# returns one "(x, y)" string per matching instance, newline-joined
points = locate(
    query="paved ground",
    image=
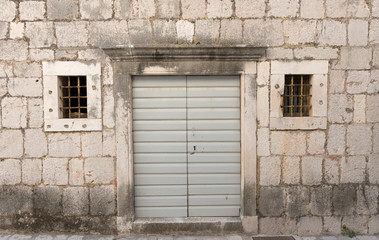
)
(108, 237)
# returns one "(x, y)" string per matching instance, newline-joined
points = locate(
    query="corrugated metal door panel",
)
(160, 158)
(214, 200)
(215, 157)
(162, 103)
(195, 147)
(214, 211)
(152, 125)
(160, 136)
(175, 190)
(222, 92)
(161, 201)
(214, 135)
(213, 102)
(231, 189)
(159, 114)
(213, 113)
(212, 81)
(159, 147)
(160, 179)
(214, 167)
(161, 211)
(214, 124)
(160, 168)
(159, 92)
(217, 179)
(158, 81)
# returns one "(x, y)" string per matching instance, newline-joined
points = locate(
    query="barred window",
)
(73, 96)
(297, 96)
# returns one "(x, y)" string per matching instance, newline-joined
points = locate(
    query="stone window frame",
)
(318, 69)
(137, 61)
(51, 73)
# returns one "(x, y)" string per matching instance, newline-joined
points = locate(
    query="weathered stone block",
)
(6, 70)
(62, 9)
(3, 30)
(16, 30)
(102, 200)
(311, 170)
(32, 10)
(297, 201)
(332, 33)
(122, 9)
(8, 10)
(55, 171)
(291, 170)
(353, 169)
(72, 34)
(279, 53)
(358, 224)
(331, 168)
(279, 8)
(372, 108)
(354, 58)
(64, 145)
(367, 200)
(48, 200)
(13, 50)
(10, 172)
(23, 69)
(316, 142)
(75, 201)
(271, 201)
(41, 54)
(110, 33)
(35, 116)
(185, 31)
(343, 8)
(164, 31)
(25, 87)
(312, 9)
(299, 32)
(14, 150)
(263, 108)
(140, 32)
(321, 201)
(376, 138)
(316, 53)
(286, 143)
(76, 171)
(35, 143)
(373, 169)
(336, 139)
(108, 107)
(31, 171)
(374, 28)
(219, 8)
(193, 9)
(96, 9)
(142, 9)
(250, 8)
(359, 109)
(40, 34)
(263, 142)
(66, 54)
(99, 170)
(332, 226)
(14, 112)
(359, 139)
(269, 171)
(168, 8)
(358, 32)
(277, 225)
(15, 200)
(109, 143)
(3, 88)
(207, 31)
(310, 226)
(263, 33)
(358, 81)
(340, 108)
(373, 86)
(343, 199)
(92, 144)
(373, 225)
(231, 31)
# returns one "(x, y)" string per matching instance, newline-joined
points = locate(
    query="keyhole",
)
(194, 148)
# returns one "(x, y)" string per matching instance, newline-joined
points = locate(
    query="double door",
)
(186, 135)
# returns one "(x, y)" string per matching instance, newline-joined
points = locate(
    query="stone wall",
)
(310, 182)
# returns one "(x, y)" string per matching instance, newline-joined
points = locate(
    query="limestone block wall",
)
(309, 182)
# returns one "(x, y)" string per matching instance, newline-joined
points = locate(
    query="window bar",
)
(78, 96)
(301, 95)
(69, 96)
(292, 97)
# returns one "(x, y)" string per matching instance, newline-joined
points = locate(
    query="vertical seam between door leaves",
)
(187, 144)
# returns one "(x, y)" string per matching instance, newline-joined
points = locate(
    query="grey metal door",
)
(186, 132)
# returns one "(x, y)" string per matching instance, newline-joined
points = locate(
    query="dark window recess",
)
(297, 96)
(73, 96)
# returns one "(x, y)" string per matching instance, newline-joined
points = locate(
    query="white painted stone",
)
(279, 53)
(31, 171)
(41, 54)
(336, 139)
(332, 33)
(99, 170)
(359, 109)
(311, 170)
(316, 142)
(41, 34)
(291, 170)
(269, 171)
(299, 32)
(10, 172)
(331, 169)
(55, 171)
(219, 8)
(64, 144)
(96, 9)
(263, 33)
(354, 58)
(32, 10)
(35, 143)
(109, 143)
(35, 112)
(107, 74)
(8, 10)
(168, 8)
(336, 81)
(359, 139)
(28, 87)
(263, 73)
(250, 8)
(286, 143)
(316, 53)
(92, 144)
(193, 9)
(372, 108)
(207, 31)
(263, 143)
(353, 169)
(16, 30)
(231, 31)
(14, 150)
(340, 108)
(14, 112)
(185, 31)
(72, 34)
(312, 9)
(263, 106)
(13, 50)
(357, 81)
(280, 8)
(76, 171)
(373, 169)
(358, 32)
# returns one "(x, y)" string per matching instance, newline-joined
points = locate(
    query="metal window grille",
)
(73, 96)
(297, 96)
